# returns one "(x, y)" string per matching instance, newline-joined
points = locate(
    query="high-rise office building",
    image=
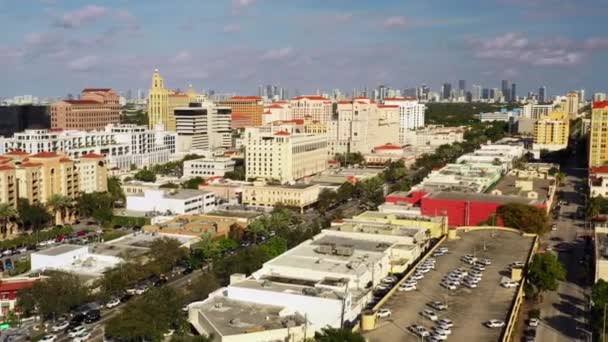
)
(581, 95)
(158, 102)
(542, 94)
(447, 91)
(462, 87)
(485, 93)
(572, 104)
(246, 110)
(598, 141)
(96, 108)
(476, 93)
(513, 94)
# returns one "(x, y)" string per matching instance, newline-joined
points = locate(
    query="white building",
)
(496, 154)
(328, 279)
(502, 116)
(122, 145)
(73, 259)
(208, 167)
(411, 114)
(362, 125)
(276, 111)
(434, 136)
(178, 202)
(283, 156)
(598, 181)
(203, 126)
(318, 108)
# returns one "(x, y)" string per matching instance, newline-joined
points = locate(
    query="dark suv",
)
(92, 316)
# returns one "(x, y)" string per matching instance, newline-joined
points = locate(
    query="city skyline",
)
(56, 47)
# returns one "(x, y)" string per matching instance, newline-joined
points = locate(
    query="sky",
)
(56, 47)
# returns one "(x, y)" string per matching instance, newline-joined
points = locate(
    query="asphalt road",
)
(564, 314)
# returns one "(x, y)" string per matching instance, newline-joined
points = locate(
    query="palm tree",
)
(7, 212)
(258, 227)
(59, 204)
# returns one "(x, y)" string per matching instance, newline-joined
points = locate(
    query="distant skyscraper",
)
(462, 87)
(382, 91)
(485, 93)
(476, 93)
(581, 95)
(410, 92)
(542, 94)
(513, 94)
(129, 94)
(447, 91)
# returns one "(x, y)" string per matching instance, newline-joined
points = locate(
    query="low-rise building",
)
(601, 250)
(434, 136)
(208, 167)
(226, 190)
(340, 176)
(73, 259)
(510, 116)
(172, 201)
(598, 181)
(301, 196)
(217, 223)
(381, 155)
(471, 177)
(9, 288)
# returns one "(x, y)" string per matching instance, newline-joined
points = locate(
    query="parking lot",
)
(468, 308)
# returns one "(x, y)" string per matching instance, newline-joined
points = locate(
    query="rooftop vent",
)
(345, 250)
(326, 248)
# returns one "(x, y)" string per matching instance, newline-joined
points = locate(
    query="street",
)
(564, 312)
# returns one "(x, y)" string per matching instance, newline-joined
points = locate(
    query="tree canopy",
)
(33, 216)
(545, 271)
(145, 175)
(524, 217)
(338, 335)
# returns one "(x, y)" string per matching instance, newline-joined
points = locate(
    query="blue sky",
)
(55, 47)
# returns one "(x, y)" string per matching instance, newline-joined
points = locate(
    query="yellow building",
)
(92, 173)
(8, 184)
(158, 102)
(314, 126)
(436, 226)
(552, 131)
(299, 196)
(598, 142)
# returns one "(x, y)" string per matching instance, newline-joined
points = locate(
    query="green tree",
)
(33, 216)
(97, 205)
(169, 186)
(60, 205)
(145, 175)
(7, 213)
(524, 217)
(148, 317)
(258, 227)
(345, 191)
(115, 189)
(545, 271)
(123, 276)
(202, 286)
(193, 183)
(599, 300)
(338, 335)
(274, 247)
(165, 253)
(326, 199)
(53, 296)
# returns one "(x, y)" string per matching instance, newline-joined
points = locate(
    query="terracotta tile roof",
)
(251, 98)
(387, 106)
(45, 155)
(400, 99)
(6, 167)
(387, 147)
(284, 133)
(599, 169)
(65, 160)
(267, 113)
(94, 90)
(276, 106)
(310, 97)
(6, 286)
(55, 129)
(93, 156)
(600, 104)
(16, 153)
(77, 102)
(345, 102)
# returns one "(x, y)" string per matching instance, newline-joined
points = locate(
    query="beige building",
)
(318, 108)
(283, 156)
(598, 139)
(96, 108)
(434, 136)
(247, 111)
(38, 177)
(361, 125)
(572, 104)
(300, 196)
(552, 132)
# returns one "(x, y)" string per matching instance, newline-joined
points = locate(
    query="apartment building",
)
(203, 126)
(96, 108)
(208, 167)
(572, 104)
(318, 108)
(92, 173)
(552, 131)
(532, 112)
(122, 145)
(361, 125)
(247, 111)
(277, 111)
(598, 137)
(411, 114)
(283, 156)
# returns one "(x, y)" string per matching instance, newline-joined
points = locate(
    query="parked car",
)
(384, 313)
(430, 314)
(509, 284)
(76, 331)
(406, 288)
(445, 322)
(60, 326)
(419, 330)
(533, 322)
(114, 302)
(437, 305)
(92, 316)
(48, 338)
(84, 336)
(495, 323)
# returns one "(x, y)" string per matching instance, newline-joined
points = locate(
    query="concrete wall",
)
(42, 261)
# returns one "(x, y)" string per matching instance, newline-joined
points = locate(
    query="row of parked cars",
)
(77, 327)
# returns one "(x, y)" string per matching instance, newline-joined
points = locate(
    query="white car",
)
(486, 262)
(533, 322)
(470, 285)
(169, 332)
(509, 284)
(517, 264)
(423, 269)
(406, 288)
(445, 322)
(439, 306)
(85, 336)
(417, 276)
(479, 267)
(472, 279)
(441, 337)
(449, 286)
(113, 303)
(419, 330)
(76, 331)
(383, 313)
(48, 338)
(442, 330)
(495, 323)
(60, 326)
(430, 314)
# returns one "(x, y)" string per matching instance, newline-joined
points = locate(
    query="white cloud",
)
(278, 54)
(83, 64)
(232, 28)
(77, 18)
(394, 22)
(182, 57)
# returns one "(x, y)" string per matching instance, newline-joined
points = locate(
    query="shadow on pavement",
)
(561, 324)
